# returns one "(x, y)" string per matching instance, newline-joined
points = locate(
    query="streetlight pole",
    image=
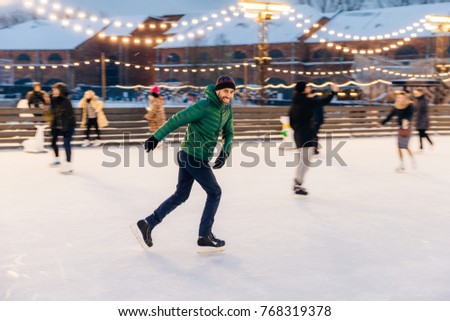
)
(263, 59)
(103, 76)
(245, 83)
(263, 12)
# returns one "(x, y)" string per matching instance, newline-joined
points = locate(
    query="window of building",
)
(23, 58)
(112, 72)
(406, 51)
(23, 81)
(322, 54)
(54, 57)
(173, 57)
(239, 55)
(52, 81)
(239, 81)
(275, 53)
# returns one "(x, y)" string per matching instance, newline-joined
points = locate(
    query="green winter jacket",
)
(207, 119)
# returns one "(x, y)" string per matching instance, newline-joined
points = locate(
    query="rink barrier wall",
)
(250, 123)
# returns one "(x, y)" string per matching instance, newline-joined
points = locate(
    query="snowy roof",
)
(46, 35)
(124, 30)
(239, 30)
(376, 22)
(52, 35)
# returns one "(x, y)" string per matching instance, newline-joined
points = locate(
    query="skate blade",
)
(210, 249)
(300, 197)
(137, 233)
(67, 173)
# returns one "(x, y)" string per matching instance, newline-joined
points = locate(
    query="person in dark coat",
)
(62, 124)
(301, 116)
(403, 110)
(37, 98)
(422, 119)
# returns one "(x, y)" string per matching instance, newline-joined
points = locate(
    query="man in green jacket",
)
(206, 120)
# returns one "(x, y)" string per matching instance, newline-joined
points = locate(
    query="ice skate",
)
(210, 244)
(400, 168)
(97, 143)
(55, 163)
(143, 232)
(86, 143)
(66, 169)
(299, 191)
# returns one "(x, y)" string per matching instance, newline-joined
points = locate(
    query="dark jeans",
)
(67, 139)
(192, 169)
(92, 122)
(423, 134)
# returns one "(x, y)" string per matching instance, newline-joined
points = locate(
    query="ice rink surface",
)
(364, 233)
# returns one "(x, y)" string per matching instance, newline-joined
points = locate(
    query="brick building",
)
(297, 43)
(293, 49)
(46, 51)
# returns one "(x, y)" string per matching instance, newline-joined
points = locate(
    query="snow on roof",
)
(52, 35)
(123, 29)
(239, 30)
(376, 22)
(46, 35)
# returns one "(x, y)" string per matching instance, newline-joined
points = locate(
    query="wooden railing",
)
(250, 123)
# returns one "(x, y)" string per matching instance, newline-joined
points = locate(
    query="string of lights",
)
(345, 36)
(222, 68)
(256, 87)
(65, 14)
(371, 51)
(55, 11)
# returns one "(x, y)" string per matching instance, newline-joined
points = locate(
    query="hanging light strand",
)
(204, 69)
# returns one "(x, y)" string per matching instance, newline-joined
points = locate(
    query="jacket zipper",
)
(220, 121)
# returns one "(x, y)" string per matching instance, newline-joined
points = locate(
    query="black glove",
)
(151, 143)
(220, 160)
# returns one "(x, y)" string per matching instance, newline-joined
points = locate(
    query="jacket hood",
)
(210, 93)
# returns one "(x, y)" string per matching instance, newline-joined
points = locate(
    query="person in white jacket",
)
(92, 116)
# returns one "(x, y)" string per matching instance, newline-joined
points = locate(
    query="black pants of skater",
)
(192, 169)
(423, 134)
(92, 122)
(67, 136)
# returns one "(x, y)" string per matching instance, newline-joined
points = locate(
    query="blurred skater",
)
(62, 124)
(301, 117)
(92, 116)
(422, 118)
(156, 115)
(403, 110)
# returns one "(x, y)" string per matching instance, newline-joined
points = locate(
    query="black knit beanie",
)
(225, 81)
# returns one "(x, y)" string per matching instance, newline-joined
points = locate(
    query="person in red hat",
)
(156, 115)
(206, 120)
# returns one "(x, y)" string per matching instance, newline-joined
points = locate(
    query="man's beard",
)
(221, 98)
